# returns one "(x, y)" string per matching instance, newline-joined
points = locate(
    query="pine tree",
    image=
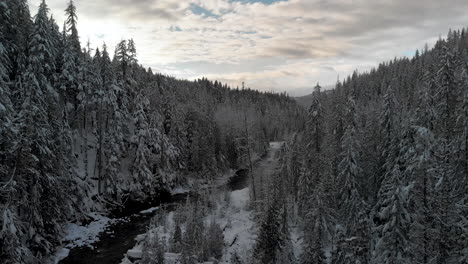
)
(154, 250)
(391, 221)
(132, 54)
(10, 248)
(142, 177)
(463, 211)
(7, 111)
(352, 208)
(176, 239)
(68, 82)
(107, 82)
(193, 235)
(319, 222)
(464, 138)
(388, 125)
(39, 172)
(214, 240)
(72, 66)
(113, 144)
(447, 99)
(350, 199)
(313, 160)
(121, 57)
(419, 163)
(17, 28)
(420, 167)
(71, 22)
(270, 238)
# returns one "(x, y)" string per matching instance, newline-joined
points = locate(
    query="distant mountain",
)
(306, 100)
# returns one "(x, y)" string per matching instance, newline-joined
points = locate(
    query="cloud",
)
(271, 44)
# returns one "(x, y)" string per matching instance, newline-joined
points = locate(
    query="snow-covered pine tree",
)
(318, 228)
(68, 82)
(121, 68)
(352, 207)
(7, 111)
(194, 232)
(463, 204)
(17, 33)
(419, 170)
(142, 181)
(214, 240)
(463, 118)
(154, 249)
(271, 238)
(176, 240)
(10, 248)
(71, 22)
(420, 164)
(114, 140)
(89, 81)
(106, 79)
(391, 221)
(42, 176)
(388, 128)
(132, 53)
(446, 98)
(294, 164)
(121, 58)
(114, 145)
(313, 163)
(72, 66)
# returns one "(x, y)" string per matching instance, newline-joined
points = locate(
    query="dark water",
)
(120, 237)
(239, 181)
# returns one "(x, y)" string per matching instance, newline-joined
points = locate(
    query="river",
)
(120, 237)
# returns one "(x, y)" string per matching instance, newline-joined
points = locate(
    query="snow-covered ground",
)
(240, 229)
(234, 215)
(86, 235)
(82, 235)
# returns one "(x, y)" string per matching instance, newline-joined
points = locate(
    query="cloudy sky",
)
(269, 44)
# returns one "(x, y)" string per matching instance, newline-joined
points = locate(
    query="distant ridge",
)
(306, 100)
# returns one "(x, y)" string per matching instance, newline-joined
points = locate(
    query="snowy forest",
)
(374, 171)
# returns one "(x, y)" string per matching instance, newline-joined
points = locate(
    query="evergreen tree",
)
(17, 28)
(352, 208)
(113, 144)
(176, 239)
(41, 181)
(270, 238)
(7, 111)
(392, 221)
(318, 231)
(142, 177)
(193, 235)
(214, 240)
(389, 143)
(71, 22)
(313, 159)
(154, 250)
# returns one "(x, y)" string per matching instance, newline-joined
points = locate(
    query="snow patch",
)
(59, 255)
(150, 210)
(79, 236)
(240, 198)
(276, 145)
(239, 227)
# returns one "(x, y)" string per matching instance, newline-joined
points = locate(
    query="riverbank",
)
(231, 210)
(108, 236)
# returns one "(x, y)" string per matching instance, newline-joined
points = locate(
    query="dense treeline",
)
(82, 131)
(380, 173)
